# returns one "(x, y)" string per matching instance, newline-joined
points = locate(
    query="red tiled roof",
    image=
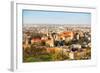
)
(36, 39)
(66, 34)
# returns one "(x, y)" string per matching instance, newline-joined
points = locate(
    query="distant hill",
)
(57, 25)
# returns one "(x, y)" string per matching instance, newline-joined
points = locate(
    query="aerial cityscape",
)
(54, 41)
(42, 42)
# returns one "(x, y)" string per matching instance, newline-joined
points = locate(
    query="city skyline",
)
(52, 17)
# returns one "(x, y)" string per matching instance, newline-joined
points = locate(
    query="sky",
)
(51, 17)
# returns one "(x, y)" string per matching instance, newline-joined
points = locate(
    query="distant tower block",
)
(71, 55)
(72, 35)
(26, 41)
(77, 36)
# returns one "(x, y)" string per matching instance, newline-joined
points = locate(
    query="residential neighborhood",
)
(56, 42)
